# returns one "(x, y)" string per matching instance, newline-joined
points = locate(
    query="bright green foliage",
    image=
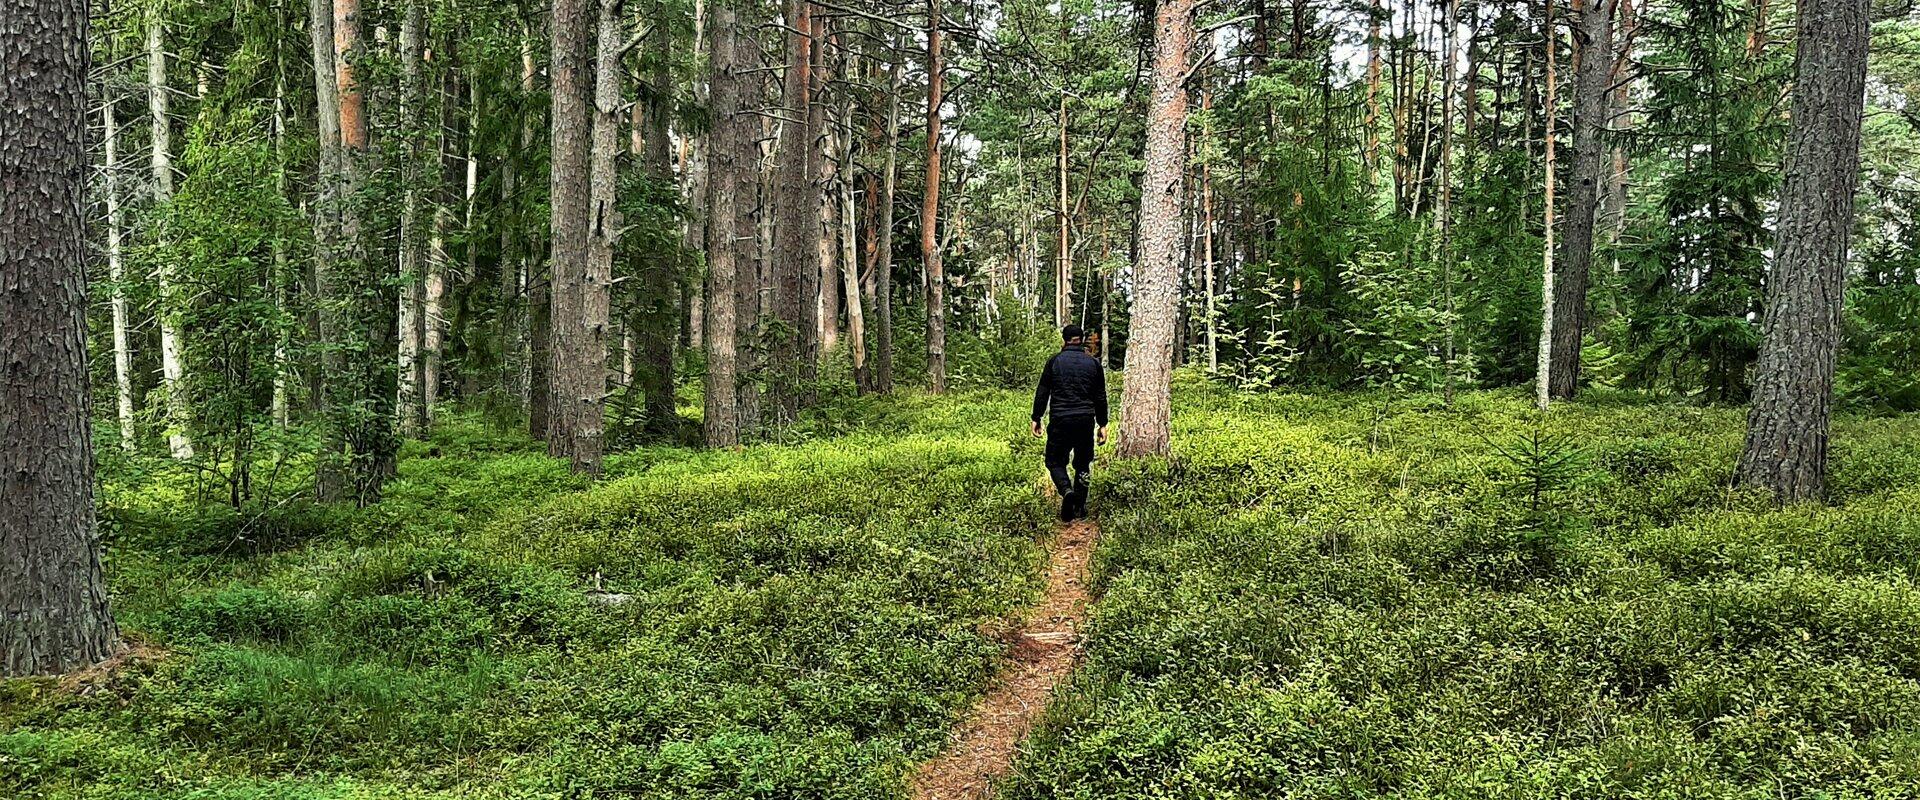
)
(1293, 611)
(796, 621)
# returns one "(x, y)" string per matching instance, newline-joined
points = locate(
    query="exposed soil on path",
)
(1043, 649)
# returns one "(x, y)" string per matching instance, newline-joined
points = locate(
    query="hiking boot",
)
(1067, 509)
(1077, 503)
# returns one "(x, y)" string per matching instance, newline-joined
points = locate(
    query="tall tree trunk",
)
(1593, 36)
(1444, 210)
(538, 279)
(355, 319)
(326, 204)
(1063, 265)
(883, 269)
(173, 367)
(849, 263)
(1206, 242)
(1787, 428)
(117, 273)
(576, 363)
(281, 282)
(1543, 380)
(603, 233)
(53, 601)
(1613, 198)
(411, 411)
(730, 159)
(827, 296)
(796, 253)
(1146, 399)
(1375, 17)
(659, 318)
(930, 212)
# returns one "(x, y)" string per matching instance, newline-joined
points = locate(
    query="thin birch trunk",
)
(173, 368)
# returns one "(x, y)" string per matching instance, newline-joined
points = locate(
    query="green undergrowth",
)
(1345, 597)
(797, 620)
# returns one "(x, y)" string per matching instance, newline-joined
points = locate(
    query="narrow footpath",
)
(1044, 649)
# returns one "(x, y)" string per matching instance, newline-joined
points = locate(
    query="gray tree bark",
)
(883, 266)
(412, 309)
(1146, 397)
(1593, 35)
(1787, 428)
(936, 275)
(53, 601)
(604, 232)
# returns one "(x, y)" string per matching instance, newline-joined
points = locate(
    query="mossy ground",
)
(799, 620)
(1319, 597)
(1339, 597)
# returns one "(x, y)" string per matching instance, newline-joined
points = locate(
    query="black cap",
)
(1072, 332)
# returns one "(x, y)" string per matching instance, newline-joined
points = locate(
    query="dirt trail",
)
(1044, 648)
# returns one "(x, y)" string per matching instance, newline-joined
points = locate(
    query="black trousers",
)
(1070, 440)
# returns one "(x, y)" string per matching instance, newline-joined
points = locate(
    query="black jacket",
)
(1074, 384)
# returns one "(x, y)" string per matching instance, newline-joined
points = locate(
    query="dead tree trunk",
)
(603, 233)
(883, 267)
(1787, 428)
(53, 601)
(930, 213)
(1146, 400)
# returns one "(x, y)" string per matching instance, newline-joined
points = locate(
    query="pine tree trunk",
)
(575, 364)
(326, 204)
(730, 159)
(936, 275)
(1787, 428)
(796, 253)
(53, 601)
(1593, 35)
(1146, 399)
(173, 368)
(1375, 16)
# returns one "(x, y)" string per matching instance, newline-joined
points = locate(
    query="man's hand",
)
(1100, 435)
(1037, 432)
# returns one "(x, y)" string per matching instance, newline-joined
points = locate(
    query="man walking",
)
(1073, 393)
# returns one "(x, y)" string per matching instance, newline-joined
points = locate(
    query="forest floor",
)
(1041, 650)
(1319, 596)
